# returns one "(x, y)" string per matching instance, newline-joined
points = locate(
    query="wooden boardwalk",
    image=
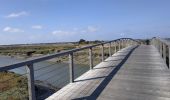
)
(134, 73)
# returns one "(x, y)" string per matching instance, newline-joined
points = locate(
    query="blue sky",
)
(37, 21)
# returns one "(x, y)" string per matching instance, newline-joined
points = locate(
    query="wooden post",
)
(91, 58)
(122, 43)
(71, 67)
(31, 86)
(115, 44)
(169, 55)
(160, 48)
(110, 54)
(127, 42)
(119, 44)
(131, 42)
(102, 52)
(164, 52)
(157, 43)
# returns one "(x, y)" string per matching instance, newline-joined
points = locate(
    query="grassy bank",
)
(13, 86)
(27, 51)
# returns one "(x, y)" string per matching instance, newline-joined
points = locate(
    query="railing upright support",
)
(164, 52)
(169, 55)
(119, 44)
(161, 49)
(124, 43)
(131, 42)
(115, 44)
(102, 46)
(91, 58)
(110, 53)
(31, 86)
(71, 67)
(127, 43)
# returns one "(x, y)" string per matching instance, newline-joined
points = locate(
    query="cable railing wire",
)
(42, 74)
(54, 75)
(45, 66)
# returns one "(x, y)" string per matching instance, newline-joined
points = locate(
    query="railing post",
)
(31, 86)
(169, 55)
(164, 52)
(131, 42)
(71, 67)
(119, 44)
(124, 43)
(161, 49)
(115, 44)
(110, 54)
(102, 46)
(157, 46)
(127, 42)
(90, 58)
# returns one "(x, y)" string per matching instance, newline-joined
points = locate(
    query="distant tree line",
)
(82, 41)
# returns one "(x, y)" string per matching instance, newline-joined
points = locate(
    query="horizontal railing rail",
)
(30, 68)
(46, 57)
(163, 47)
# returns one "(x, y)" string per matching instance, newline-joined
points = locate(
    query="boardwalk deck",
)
(130, 74)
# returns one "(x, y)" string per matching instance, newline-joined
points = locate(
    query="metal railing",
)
(29, 63)
(163, 47)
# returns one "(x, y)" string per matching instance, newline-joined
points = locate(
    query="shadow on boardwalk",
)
(106, 81)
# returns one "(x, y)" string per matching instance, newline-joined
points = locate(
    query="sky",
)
(46, 21)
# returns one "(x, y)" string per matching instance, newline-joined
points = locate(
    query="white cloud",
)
(37, 27)
(74, 31)
(15, 15)
(63, 33)
(12, 30)
(90, 29)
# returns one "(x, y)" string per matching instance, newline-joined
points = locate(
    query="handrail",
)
(162, 45)
(162, 40)
(50, 56)
(30, 68)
